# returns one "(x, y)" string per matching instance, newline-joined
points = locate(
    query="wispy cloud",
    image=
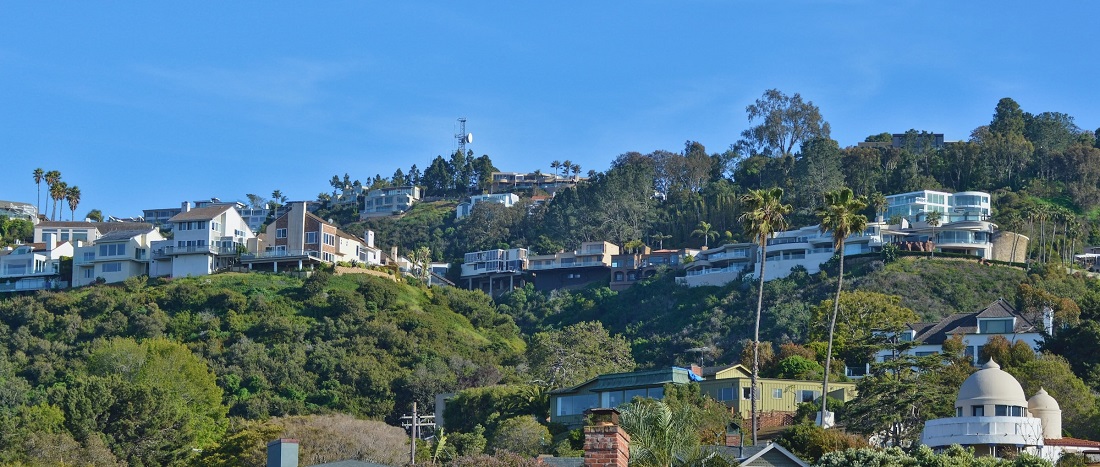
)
(286, 82)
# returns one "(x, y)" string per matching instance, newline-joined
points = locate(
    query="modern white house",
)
(115, 257)
(300, 240)
(51, 232)
(994, 417)
(464, 208)
(494, 271)
(35, 266)
(18, 210)
(204, 240)
(389, 201)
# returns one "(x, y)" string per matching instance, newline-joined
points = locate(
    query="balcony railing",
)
(575, 264)
(193, 249)
(281, 254)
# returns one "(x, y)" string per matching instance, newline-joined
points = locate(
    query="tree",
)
(664, 435)
(764, 214)
(878, 201)
(522, 435)
(72, 195)
(786, 121)
(1008, 119)
(257, 202)
(860, 314)
(841, 216)
(57, 193)
(52, 178)
(38, 176)
(933, 220)
(573, 354)
(704, 230)
(95, 215)
(923, 456)
(277, 200)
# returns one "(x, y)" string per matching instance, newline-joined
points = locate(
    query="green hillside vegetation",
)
(121, 369)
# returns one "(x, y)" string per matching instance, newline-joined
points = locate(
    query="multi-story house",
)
(626, 269)
(721, 265)
(464, 208)
(255, 217)
(516, 181)
(51, 232)
(114, 257)
(204, 240)
(975, 329)
(17, 210)
(573, 269)
(300, 240)
(389, 201)
(494, 271)
(35, 266)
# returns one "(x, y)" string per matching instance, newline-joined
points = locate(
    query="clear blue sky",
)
(146, 104)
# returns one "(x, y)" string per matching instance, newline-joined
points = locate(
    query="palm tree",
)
(95, 215)
(933, 219)
(565, 165)
(276, 198)
(52, 178)
(57, 193)
(878, 201)
(706, 232)
(39, 174)
(660, 238)
(1013, 222)
(663, 435)
(841, 216)
(72, 195)
(555, 165)
(763, 215)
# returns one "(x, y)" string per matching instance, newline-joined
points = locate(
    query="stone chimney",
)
(698, 370)
(606, 444)
(282, 452)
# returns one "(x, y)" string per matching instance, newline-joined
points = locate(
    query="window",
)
(88, 273)
(280, 249)
(280, 233)
(112, 267)
(807, 395)
(977, 411)
(958, 411)
(576, 405)
(746, 392)
(215, 226)
(112, 250)
(618, 276)
(311, 237)
(329, 239)
(327, 257)
(725, 394)
(777, 393)
(995, 326)
(1008, 410)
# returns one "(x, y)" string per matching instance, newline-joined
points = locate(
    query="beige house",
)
(114, 257)
(300, 240)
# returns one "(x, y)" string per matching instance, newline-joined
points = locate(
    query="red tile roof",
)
(1075, 442)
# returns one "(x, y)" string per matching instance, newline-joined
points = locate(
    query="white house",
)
(204, 240)
(34, 266)
(115, 256)
(464, 208)
(994, 417)
(389, 201)
(51, 232)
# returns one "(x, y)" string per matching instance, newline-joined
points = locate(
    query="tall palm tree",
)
(841, 216)
(706, 232)
(72, 195)
(565, 166)
(52, 178)
(39, 175)
(57, 193)
(660, 238)
(878, 201)
(933, 219)
(763, 215)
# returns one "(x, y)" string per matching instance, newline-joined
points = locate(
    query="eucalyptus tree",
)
(841, 216)
(763, 214)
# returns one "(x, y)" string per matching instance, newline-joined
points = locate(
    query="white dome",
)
(1042, 401)
(991, 386)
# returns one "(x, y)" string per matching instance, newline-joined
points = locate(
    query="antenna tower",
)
(463, 137)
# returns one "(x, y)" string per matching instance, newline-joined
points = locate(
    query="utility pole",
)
(414, 422)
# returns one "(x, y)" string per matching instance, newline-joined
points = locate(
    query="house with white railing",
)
(494, 271)
(115, 257)
(34, 266)
(301, 240)
(204, 240)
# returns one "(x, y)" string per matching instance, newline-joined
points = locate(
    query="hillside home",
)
(464, 208)
(300, 240)
(34, 266)
(255, 217)
(114, 257)
(573, 269)
(626, 269)
(994, 417)
(50, 232)
(975, 329)
(18, 210)
(731, 385)
(516, 181)
(494, 271)
(389, 201)
(204, 240)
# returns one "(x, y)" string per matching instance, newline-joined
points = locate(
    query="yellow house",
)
(733, 385)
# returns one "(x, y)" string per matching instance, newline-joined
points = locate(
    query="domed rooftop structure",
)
(991, 386)
(1042, 401)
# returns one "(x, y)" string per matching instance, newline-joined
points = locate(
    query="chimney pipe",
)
(282, 452)
(186, 206)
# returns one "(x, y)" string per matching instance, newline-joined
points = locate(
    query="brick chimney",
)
(282, 452)
(606, 444)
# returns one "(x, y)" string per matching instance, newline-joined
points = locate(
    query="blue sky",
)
(146, 104)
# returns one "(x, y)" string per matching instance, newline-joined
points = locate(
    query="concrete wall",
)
(1006, 243)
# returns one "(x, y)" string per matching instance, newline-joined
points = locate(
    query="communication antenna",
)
(463, 137)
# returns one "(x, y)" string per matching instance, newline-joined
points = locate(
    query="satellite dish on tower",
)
(463, 137)
(469, 138)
